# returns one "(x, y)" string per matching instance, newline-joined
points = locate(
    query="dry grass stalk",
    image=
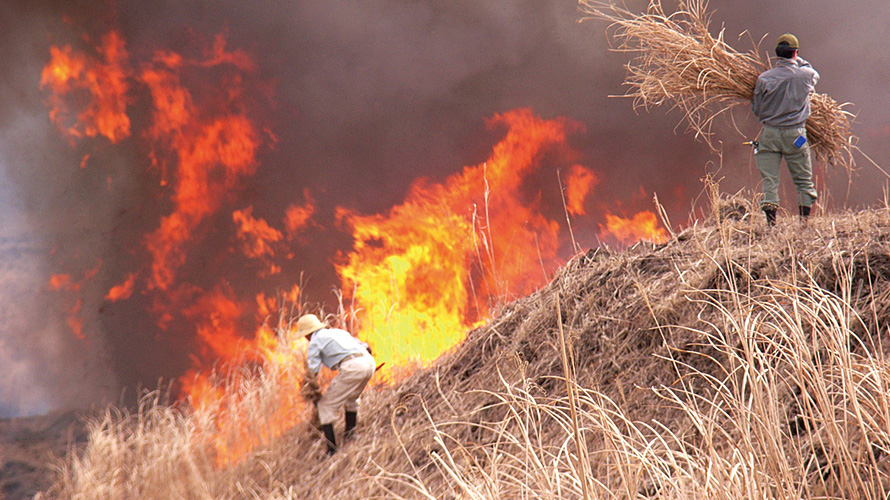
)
(568, 372)
(680, 63)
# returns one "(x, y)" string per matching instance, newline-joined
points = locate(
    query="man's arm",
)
(756, 99)
(803, 63)
(313, 357)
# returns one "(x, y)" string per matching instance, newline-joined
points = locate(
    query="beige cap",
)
(309, 323)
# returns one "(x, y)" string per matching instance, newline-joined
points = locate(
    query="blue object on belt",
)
(800, 141)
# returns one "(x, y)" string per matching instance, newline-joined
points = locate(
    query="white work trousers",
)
(352, 377)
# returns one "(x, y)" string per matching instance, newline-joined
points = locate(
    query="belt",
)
(347, 358)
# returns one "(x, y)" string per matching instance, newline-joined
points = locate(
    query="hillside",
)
(732, 361)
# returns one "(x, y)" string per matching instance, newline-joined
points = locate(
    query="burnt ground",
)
(29, 446)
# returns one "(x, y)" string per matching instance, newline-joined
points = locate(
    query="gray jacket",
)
(782, 94)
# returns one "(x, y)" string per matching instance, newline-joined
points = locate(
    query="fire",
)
(206, 145)
(212, 158)
(122, 291)
(417, 278)
(642, 226)
(217, 317)
(62, 282)
(277, 358)
(257, 239)
(431, 268)
(580, 182)
(102, 78)
(202, 140)
(73, 300)
(297, 216)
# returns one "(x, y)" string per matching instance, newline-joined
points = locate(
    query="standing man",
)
(338, 350)
(782, 104)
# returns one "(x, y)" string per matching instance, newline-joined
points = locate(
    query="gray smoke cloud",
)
(41, 215)
(367, 97)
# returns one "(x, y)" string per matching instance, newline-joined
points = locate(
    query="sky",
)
(351, 103)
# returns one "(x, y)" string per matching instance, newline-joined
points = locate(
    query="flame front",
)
(642, 226)
(417, 278)
(436, 265)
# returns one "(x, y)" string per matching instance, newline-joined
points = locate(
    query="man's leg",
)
(362, 370)
(768, 160)
(801, 167)
(804, 211)
(329, 406)
(327, 414)
(330, 437)
(351, 419)
(344, 390)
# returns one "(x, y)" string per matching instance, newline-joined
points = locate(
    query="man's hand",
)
(310, 391)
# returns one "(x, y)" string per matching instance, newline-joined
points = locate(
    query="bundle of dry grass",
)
(682, 64)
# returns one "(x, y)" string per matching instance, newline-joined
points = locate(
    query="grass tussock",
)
(730, 362)
(681, 63)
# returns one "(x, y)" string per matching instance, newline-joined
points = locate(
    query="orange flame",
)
(122, 291)
(203, 143)
(257, 239)
(431, 268)
(642, 226)
(74, 303)
(278, 357)
(212, 159)
(297, 217)
(62, 282)
(580, 182)
(210, 152)
(104, 79)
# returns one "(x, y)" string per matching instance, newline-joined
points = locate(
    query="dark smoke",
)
(368, 96)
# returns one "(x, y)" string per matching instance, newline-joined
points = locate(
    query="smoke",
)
(44, 365)
(352, 102)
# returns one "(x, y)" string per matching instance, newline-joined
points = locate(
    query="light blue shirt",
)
(330, 346)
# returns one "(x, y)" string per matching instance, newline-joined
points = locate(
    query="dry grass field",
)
(733, 361)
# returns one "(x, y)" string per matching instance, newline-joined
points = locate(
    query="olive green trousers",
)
(775, 144)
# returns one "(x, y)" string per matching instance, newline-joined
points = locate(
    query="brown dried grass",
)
(730, 362)
(681, 64)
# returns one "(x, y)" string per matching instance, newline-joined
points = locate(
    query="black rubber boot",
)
(328, 430)
(804, 212)
(351, 419)
(770, 216)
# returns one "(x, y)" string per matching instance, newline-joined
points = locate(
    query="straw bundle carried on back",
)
(680, 63)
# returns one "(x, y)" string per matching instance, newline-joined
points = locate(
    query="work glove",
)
(310, 391)
(313, 419)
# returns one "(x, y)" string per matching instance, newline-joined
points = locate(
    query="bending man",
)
(782, 103)
(338, 350)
